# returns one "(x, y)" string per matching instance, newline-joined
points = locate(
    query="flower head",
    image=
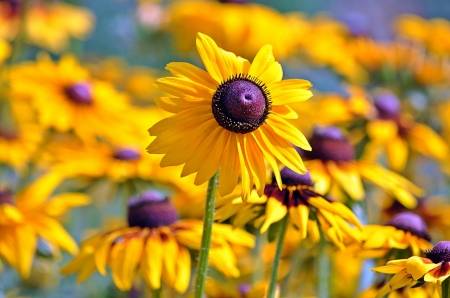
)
(415, 271)
(231, 117)
(298, 199)
(29, 215)
(333, 168)
(156, 244)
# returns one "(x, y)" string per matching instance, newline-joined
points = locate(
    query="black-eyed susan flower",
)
(307, 209)
(405, 230)
(156, 245)
(395, 135)
(415, 271)
(227, 22)
(231, 117)
(88, 107)
(51, 25)
(30, 215)
(334, 169)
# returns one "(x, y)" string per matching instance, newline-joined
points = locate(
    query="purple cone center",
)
(80, 93)
(440, 252)
(6, 197)
(388, 106)
(126, 154)
(291, 178)
(329, 143)
(410, 222)
(151, 210)
(244, 101)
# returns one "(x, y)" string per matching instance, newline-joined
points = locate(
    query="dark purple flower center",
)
(329, 143)
(291, 178)
(388, 106)
(80, 93)
(126, 154)
(6, 197)
(244, 289)
(151, 210)
(241, 104)
(410, 222)
(439, 253)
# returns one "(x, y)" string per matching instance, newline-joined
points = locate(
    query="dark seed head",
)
(291, 178)
(151, 210)
(439, 253)
(387, 105)
(80, 93)
(329, 143)
(6, 197)
(241, 104)
(410, 222)
(126, 154)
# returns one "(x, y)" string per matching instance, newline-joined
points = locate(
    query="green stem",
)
(156, 293)
(258, 265)
(202, 266)
(276, 260)
(323, 269)
(446, 288)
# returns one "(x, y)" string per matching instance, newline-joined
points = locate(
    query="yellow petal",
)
(348, 178)
(275, 211)
(230, 167)
(212, 58)
(183, 270)
(299, 215)
(262, 61)
(152, 261)
(289, 91)
(397, 152)
(181, 87)
(60, 203)
(288, 132)
(417, 266)
(193, 73)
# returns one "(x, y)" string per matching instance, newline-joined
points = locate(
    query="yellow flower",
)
(425, 291)
(31, 214)
(334, 169)
(405, 230)
(395, 134)
(50, 25)
(156, 244)
(298, 198)
(240, 28)
(231, 117)
(415, 271)
(88, 107)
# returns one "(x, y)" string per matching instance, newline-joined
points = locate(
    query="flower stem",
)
(446, 288)
(156, 293)
(276, 260)
(323, 269)
(202, 266)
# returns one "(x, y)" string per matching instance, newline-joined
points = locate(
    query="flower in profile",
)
(156, 244)
(334, 169)
(395, 135)
(30, 215)
(405, 230)
(297, 198)
(230, 117)
(415, 271)
(88, 107)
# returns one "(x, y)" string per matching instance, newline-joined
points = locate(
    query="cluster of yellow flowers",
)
(315, 185)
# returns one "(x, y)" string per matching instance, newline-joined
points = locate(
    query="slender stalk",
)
(323, 269)
(156, 293)
(258, 265)
(276, 260)
(446, 288)
(202, 266)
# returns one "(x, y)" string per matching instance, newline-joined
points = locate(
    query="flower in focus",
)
(334, 169)
(31, 215)
(415, 271)
(298, 198)
(156, 244)
(395, 134)
(88, 107)
(50, 25)
(229, 24)
(403, 231)
(231, 117)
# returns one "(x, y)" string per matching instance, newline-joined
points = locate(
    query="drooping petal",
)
(299, 215)
(183, 270)
(275, 211)
(152, 261)
(230, 167)
(288, 132)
